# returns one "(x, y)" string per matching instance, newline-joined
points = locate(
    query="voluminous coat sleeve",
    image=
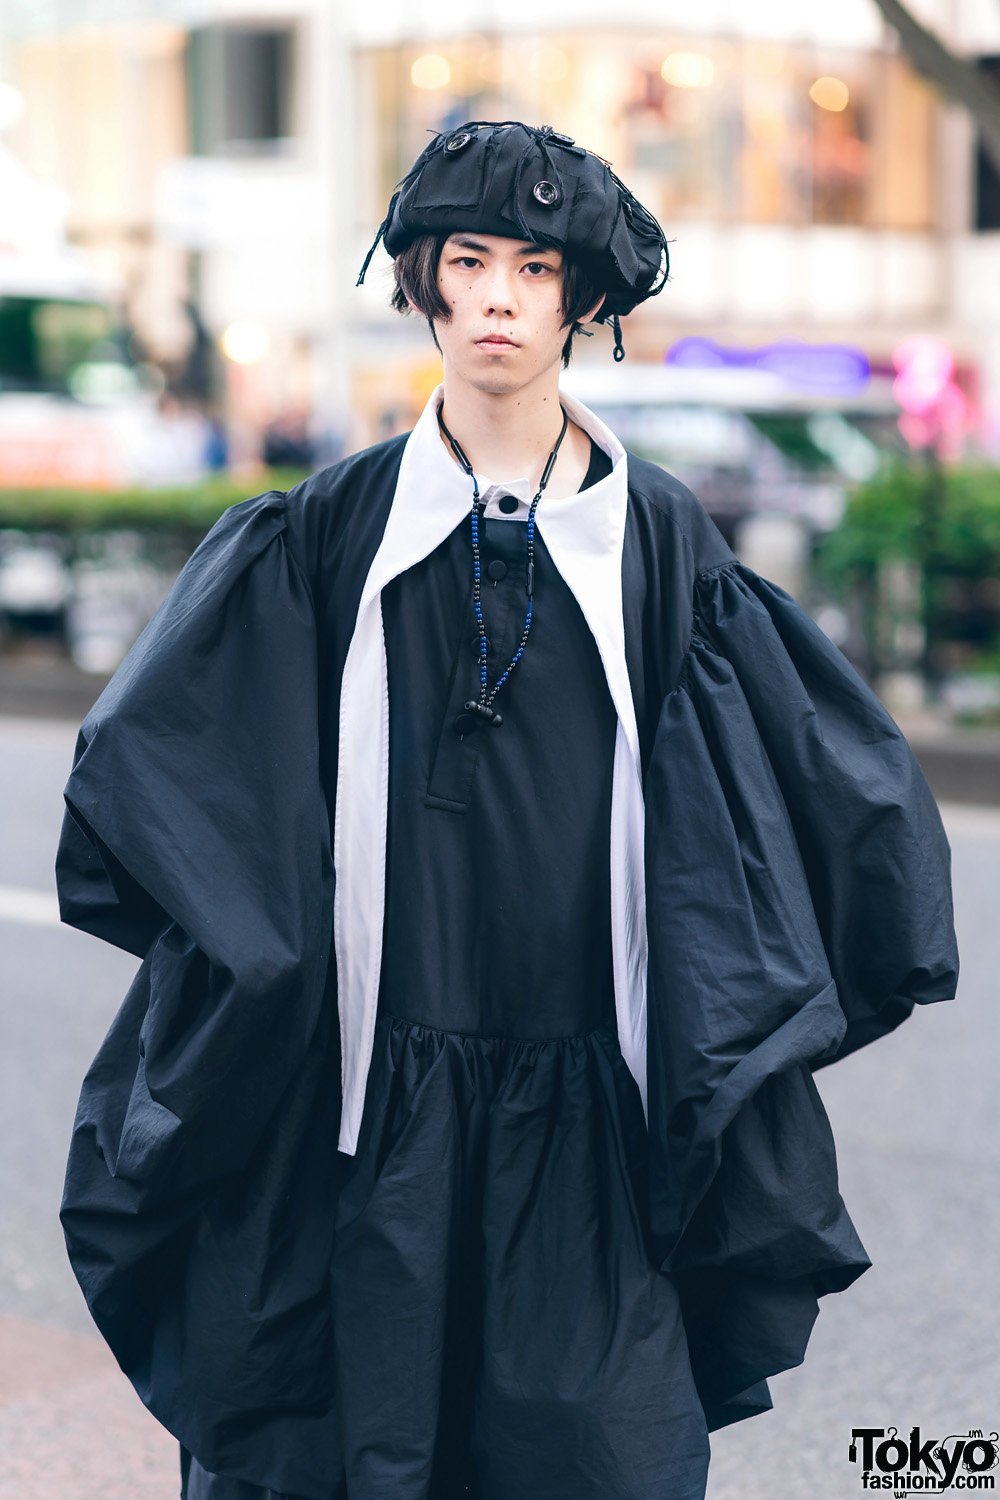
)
(196, 837)
(799, 906)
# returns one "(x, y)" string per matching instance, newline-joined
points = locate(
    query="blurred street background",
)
(187, 191)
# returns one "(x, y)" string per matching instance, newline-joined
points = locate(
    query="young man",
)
(503, 857)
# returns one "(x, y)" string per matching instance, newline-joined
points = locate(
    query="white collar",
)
(584, 534)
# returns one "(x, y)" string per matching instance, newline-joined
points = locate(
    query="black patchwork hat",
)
(532, 183)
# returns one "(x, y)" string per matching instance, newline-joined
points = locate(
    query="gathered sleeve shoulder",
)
(865, 825)
(195, 836)
(137, 781)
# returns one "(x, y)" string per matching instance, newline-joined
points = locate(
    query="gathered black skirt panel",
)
(501, 1332)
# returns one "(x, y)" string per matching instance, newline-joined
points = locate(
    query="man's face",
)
(506, 326)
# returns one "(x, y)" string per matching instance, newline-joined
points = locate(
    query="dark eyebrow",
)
(466, 244)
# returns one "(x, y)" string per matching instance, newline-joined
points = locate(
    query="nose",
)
(499, 295)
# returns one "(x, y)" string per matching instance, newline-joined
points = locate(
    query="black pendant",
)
(474, 716)
(488, 715)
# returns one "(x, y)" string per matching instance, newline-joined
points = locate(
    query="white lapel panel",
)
(585, 535)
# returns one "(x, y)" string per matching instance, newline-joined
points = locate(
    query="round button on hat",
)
(546, 192)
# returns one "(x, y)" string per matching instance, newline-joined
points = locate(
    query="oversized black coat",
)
(798, 906)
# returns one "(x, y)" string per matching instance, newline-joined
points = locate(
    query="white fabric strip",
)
(584, 534)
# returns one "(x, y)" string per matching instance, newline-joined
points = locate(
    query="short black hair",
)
(415, 270)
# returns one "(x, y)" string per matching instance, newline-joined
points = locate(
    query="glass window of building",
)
(840, 102)
(722, 129)
(775, 123)
(987, 178)
(240, 88)
(904, 165)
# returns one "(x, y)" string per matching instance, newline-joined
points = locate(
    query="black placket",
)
(503, 544)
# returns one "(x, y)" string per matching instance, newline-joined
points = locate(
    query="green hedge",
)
(886, 517)
(190, 508)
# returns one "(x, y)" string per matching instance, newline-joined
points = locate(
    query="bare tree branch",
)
(956, 77)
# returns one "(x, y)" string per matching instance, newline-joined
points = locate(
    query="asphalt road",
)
(915, 1342)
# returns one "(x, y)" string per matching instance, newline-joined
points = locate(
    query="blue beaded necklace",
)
(482, 712)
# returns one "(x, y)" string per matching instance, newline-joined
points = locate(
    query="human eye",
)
(540, 267)
(466, 261)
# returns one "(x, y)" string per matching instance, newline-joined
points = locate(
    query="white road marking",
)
(34, 908)
(966, 817)
(35, 729)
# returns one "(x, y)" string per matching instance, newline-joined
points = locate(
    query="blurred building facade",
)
(229, 163)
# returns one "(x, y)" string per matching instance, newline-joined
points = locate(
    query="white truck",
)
(77, 410)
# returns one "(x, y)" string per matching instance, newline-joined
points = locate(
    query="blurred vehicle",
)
(35, 585)
(76, 407)
(742, 439)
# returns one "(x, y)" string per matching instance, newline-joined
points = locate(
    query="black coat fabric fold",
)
(798, 907)
(799, 902)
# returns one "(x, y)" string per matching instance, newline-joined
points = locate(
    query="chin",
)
(494, 381)
(497, 384)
